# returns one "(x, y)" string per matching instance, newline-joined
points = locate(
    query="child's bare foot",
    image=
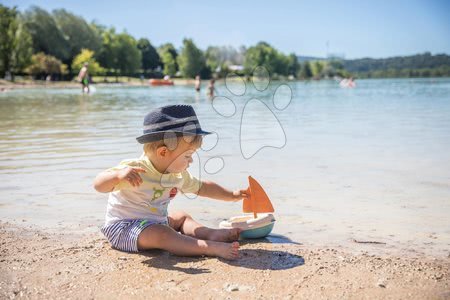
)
(224, 250)
(225, 235)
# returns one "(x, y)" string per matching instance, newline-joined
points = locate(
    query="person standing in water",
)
(83, 77)
(211, 88)
(197, 83)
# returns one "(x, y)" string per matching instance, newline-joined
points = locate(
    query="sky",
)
(351, 28)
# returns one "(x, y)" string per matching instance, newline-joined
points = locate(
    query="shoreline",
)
(135, 82)
(7, 85)
(40, 264)
(60, 85)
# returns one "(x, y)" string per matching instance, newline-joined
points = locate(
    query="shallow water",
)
(370, 163)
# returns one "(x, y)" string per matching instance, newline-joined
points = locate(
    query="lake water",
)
(370, 163)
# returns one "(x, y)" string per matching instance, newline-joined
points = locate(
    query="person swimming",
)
(347, 83)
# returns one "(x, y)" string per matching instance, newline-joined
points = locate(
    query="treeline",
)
(57, 44)
(420, 65)
(40, 43)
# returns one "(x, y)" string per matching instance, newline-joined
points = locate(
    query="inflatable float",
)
(253, 225)
(160, 82)
(347, 83)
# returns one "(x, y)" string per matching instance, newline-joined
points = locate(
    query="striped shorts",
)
(123, 235)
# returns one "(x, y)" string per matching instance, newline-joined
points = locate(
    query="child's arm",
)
(213, 190)
(107, 180)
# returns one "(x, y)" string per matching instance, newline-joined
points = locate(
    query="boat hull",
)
(251, 228)
(160, 82)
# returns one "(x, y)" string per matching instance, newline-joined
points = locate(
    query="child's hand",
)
(239, 195)
(131, 174)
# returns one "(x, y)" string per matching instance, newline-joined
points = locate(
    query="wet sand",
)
(57, 265)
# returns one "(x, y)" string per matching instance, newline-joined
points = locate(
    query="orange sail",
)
(257, 200)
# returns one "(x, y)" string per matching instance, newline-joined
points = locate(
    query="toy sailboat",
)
(254, 225)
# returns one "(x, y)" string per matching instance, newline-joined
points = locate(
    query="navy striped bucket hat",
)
(178, 119)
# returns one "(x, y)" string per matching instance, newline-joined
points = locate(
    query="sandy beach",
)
(57, 265)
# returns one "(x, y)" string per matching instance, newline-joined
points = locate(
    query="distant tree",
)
(23, 49)
(170, 64)
(191, 59)
(265, 55)
(86, 56)
(305, 71)
(77, 33)
(46, 35)
(43, 65)
(168, 56)
(118, 52)
(335, 68)
(214, 58)
(150, 57)
(15, 42)
(292, 65)
(317, 68)
(336, 64)
(127, 55)
(282, 65)
(419, 65)
(168, 47)
(106, 56)
(206, 73)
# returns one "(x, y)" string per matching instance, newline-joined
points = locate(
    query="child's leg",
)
(182, 222)
(164, 237)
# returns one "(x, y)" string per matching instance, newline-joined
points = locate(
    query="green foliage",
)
(323, 69)
(420, 65)
(118, 52)
(46, 35)
(293, 66)
(213, 58)
(8, 26)
(62, 36)
(127, 56)
(317, 68)
(22, 49)
(106, 56)
(260, 55)
(170, 64)
(15, 42)
(191, 59)
(42, 64)
(265, 55)
(87, 56)
(150, 57)
(77, 33)
(168, 56)
(305, 71)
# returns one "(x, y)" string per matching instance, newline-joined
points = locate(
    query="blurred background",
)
(294, 40)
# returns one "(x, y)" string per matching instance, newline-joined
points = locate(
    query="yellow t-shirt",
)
(149, 200)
